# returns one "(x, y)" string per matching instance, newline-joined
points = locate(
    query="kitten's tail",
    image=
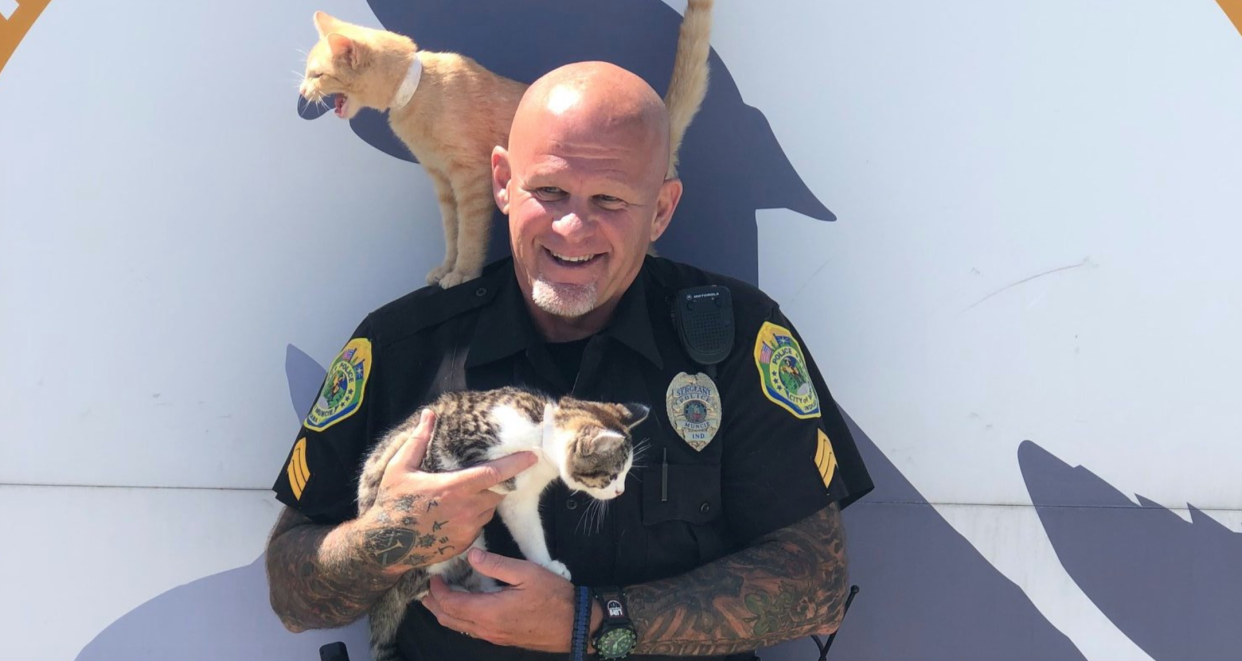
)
(688, 85)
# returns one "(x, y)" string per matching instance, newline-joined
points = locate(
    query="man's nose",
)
(572, 226)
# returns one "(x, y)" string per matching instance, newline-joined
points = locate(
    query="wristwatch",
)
(616, 637)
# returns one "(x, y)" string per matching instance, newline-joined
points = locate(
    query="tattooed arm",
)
(787, 584)
(323, 576)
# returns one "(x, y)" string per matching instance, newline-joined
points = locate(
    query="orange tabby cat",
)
(450, 112)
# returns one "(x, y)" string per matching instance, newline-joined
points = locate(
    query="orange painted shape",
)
(1233, 9)
(16, 26)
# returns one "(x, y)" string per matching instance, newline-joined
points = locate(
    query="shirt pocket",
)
(681, 516)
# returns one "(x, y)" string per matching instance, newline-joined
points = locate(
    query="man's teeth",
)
(567, 258)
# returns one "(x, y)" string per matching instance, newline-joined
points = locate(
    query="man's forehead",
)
(562, 167)
(562, 99)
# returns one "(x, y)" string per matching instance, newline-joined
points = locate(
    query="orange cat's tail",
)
(690, 73)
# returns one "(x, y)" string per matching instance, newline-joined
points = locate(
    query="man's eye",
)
(549, 192)
(609, 202)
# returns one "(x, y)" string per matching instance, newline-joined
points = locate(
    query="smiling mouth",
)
(570, 261)
(342, 102)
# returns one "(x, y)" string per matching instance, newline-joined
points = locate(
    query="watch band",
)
(616, 628)
(612, 600)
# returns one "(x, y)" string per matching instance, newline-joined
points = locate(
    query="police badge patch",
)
(344, 387)
(694, 408)
(783, 372)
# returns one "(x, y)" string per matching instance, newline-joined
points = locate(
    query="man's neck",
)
(554, 328)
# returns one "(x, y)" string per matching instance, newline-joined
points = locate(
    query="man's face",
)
(584, 203)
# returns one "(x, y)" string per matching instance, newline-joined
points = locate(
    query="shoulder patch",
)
(783, 374)
(344, 386)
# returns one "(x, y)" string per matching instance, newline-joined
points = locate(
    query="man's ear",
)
(501, 176)
(666, 204)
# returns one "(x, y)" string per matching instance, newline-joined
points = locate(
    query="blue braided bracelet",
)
(582, 621)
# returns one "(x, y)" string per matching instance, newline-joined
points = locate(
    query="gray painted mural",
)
(1173, 587)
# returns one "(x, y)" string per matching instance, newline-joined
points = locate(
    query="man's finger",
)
(411, 454)
(432, 601)
(488, 475)
(511, 571)
(485, 517)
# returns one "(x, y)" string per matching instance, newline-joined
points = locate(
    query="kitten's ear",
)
(344, 48)
(325, 23)
(633, 414)
(604, 442)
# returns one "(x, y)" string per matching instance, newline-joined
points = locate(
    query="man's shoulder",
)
(749, 302)
(430, 306)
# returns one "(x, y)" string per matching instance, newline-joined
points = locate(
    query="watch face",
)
(616, 643)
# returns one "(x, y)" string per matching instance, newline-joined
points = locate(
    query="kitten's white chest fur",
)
(519, 433)
(520, 508)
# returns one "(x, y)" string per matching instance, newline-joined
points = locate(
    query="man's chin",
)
(564, 300)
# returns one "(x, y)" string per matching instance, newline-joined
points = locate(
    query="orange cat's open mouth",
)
(341, 100)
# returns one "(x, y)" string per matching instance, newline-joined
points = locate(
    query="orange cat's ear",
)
(344, 48)
(325, 23)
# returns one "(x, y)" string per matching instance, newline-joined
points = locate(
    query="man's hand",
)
(421, 518)
(328, 576)
(535, 612)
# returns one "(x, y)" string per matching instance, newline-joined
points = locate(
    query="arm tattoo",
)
(788, 584)
(329, 576)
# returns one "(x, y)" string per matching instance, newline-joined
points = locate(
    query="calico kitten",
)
(450, 112)
(586, 444)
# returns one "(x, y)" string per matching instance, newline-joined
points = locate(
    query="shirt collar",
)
(505, 326)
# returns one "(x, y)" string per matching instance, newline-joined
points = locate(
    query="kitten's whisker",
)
(585, 520)
(601, 512)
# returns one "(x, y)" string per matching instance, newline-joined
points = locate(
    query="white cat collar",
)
(408, 84)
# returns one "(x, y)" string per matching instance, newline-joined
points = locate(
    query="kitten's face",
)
(600, 451)
(339, 64)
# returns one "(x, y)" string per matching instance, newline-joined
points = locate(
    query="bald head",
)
(596, 100)
(583, 183)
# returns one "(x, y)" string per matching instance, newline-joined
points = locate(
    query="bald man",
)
(727, 537)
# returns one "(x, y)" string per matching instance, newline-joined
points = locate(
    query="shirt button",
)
(481, 291)
(571, 504)
(705, 507)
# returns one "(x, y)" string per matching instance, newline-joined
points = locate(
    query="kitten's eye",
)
(314, 75)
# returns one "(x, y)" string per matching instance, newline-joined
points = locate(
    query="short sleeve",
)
(789, 452)
(319, 476)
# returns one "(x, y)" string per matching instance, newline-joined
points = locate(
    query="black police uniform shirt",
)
(780, 450)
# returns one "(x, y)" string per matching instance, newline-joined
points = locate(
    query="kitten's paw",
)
(488, 584)
(438, 273)
(559, 568)
(454, 278)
